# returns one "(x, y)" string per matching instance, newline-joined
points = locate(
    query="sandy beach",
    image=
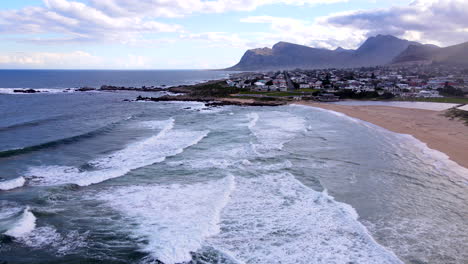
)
(431, 127)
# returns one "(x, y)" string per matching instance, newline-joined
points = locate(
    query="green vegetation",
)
(218, 89)
(308, 90)
(251, 92)
(258, 98)
(450, 91)
(457, 113)
(282, 94)
(292, 93)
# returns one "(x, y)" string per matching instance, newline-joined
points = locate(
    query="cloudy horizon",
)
(196, 34)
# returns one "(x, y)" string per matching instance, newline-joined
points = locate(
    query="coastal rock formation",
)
(85, 89)
(378, 50)
(211, 101)
(123, 88)
(25, 91)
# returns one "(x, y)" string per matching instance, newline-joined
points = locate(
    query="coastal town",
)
(360, 83)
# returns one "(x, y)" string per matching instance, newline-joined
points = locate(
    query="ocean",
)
(86, 177)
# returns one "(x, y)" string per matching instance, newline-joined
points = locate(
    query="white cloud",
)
(178, 8)
(303, 32)
(78, 22)
(132, 61)
(442, 22)
(118, 21)
(218, 39)
(76, 59)
(431, 21)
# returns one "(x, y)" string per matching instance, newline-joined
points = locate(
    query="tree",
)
(387, 95)
(269, 83)
(327, 80)
(450, 91)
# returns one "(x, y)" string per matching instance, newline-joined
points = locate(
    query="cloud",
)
(443, 22)
(118, 21)
(78, 22)
(75, 59)
(179, 8)
(310, 33)
(218, 39)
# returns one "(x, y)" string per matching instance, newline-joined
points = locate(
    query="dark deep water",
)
(62, 79)
(88, 178)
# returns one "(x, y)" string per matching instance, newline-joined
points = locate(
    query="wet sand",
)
(431, 127)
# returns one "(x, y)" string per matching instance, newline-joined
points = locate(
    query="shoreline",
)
(428, 126)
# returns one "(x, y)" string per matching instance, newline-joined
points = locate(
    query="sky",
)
(206, 34)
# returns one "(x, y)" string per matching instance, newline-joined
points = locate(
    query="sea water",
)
(89, 178)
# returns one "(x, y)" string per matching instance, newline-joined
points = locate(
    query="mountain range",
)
(456, 55)
(375, 51)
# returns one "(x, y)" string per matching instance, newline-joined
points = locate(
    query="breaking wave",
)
(23, 225)
(276, 219)
(12, 184)
(172, 221)
(273, 129)
(167, 142)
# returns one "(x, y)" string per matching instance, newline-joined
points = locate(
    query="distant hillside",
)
(453, 55)
(416, 53)
(374, 51)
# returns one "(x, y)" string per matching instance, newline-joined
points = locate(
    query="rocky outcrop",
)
(29, 91)
(210, 101)
(138, 89)
(85, 89)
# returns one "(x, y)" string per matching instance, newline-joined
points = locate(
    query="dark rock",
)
(209, 101)
(25, 91)
(85, 89)
(122, 88)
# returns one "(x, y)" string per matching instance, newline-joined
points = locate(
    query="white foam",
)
(167, 142)
(269, 167)
(204, 163)
(9, 209)
(48, 238)
(438, 159)
(25, 224)
(174, 220)
(276, 219)
(188, 105)
(12, 184)
(253, 119)
(274, 129)
(164, 125)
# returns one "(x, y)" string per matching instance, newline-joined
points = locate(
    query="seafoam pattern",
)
(273, 129)
(12, 184)
(276, 219)
(174, 220)
(168, 142)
